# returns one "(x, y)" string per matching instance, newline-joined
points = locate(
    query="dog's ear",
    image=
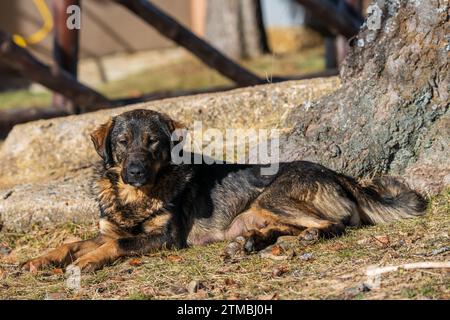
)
(172, 124)
(101, 137)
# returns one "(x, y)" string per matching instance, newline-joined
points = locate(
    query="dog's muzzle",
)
(136, 174)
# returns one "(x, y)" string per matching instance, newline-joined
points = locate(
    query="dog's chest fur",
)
(128, 207)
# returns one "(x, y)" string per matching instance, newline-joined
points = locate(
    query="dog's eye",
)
(152, 141)
(123, 142)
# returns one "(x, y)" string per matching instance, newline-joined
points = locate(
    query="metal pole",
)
(65, 49)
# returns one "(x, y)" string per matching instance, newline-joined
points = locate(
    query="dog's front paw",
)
(35, 264)
(256, 241)
(87, 263)
(309, 235)
(234, 250)
(250, 244)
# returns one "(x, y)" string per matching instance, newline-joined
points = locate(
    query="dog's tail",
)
(385, 199)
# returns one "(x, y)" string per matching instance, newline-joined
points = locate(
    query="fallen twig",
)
(409, 266)
(373, 280)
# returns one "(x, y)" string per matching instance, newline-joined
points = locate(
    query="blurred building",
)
(287, 26)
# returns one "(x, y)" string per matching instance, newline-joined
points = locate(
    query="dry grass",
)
(335, 268)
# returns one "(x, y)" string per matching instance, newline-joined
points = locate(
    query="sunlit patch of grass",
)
(24, 99)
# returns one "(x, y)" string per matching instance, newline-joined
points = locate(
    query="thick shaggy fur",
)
(148, 203)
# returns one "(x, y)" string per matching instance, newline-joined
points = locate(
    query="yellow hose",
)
(39, 35)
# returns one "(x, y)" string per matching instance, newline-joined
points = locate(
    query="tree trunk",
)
(254, 42)
(391, 114)
(235, 28)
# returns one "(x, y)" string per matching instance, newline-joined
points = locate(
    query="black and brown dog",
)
(148, 203)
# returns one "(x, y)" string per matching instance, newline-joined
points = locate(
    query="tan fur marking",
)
(95, 259)
(105, 189)
(255, 218)
(129, 194)
(287, 230)
(144, 201)
(309, 222)
(110, 230)
(157, 223)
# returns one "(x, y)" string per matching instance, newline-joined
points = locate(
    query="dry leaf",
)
(273, 296)
(58, 271)
(135, 262)
(55, 296)
(33, 268)
(276, 250)
(175, 258)
(382, 240)
(201, 294)
(234, 296)
(336, 246)
(229, 282)
(279, 271)
(223, 270)
(178, 290)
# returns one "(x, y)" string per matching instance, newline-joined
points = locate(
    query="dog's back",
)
(224, 201)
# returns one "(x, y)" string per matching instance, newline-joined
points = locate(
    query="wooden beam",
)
(332, 16)
(172, 29)
(54, 78)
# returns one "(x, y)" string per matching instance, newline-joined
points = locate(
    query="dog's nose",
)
(136, 170)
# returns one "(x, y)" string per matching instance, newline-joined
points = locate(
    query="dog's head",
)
(138, 143)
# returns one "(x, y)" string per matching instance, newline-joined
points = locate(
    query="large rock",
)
(45, 166)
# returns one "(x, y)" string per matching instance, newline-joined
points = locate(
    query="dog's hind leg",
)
(256, 240)
(306, 217)
(263, 223)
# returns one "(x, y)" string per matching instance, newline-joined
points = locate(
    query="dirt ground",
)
(328, 269)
